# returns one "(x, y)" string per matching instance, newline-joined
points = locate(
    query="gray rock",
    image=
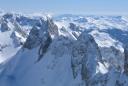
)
(42, 36)
(126, 60)
(85, 55)
(39, 35)
(4, 26)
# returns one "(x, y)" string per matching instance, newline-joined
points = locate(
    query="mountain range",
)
(63, 50)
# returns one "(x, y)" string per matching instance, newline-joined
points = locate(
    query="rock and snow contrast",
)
(65, 50)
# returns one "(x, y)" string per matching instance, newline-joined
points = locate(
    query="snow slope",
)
(68, 50)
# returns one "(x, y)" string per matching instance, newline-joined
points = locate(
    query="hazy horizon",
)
(85, 7)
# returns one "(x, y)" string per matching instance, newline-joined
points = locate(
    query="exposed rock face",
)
(16, 40)
(8, 15)
(85, 55)
(126, 60)
(74, 27)
(61, 46)
(42, 36)
(44, 47)
(18, 29)
(52, 28)
(33, 39)
(38, 35)
(4, 26)
(113, 56)
(70, 58)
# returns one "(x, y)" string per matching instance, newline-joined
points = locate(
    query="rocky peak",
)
(4, 26)
(38, 35)
(42, 36)
(85, 55)
(52, 28)
(74, 27)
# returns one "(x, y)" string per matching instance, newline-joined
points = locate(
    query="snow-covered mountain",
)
(65, 50)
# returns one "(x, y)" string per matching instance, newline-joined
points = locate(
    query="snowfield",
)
(63, 50)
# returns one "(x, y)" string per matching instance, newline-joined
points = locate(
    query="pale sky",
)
(118, 7)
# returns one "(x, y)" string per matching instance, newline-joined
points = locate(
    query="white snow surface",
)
(19, 65)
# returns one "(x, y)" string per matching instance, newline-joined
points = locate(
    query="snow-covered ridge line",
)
(29, 15)
(64, 51)
(14, 29)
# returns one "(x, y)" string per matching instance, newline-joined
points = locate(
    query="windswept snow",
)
(65, 50)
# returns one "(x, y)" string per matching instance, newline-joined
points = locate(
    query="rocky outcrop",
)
(74, 27)
(113, 56)
(85, 55)
(44, 47)
(52, 28)
(38, 35)
(16, 40)
(42, 36)
(126, 60)
(4, 26)
(33, 39)
(20, 30)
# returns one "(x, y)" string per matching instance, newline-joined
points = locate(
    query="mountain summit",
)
(63, 50)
